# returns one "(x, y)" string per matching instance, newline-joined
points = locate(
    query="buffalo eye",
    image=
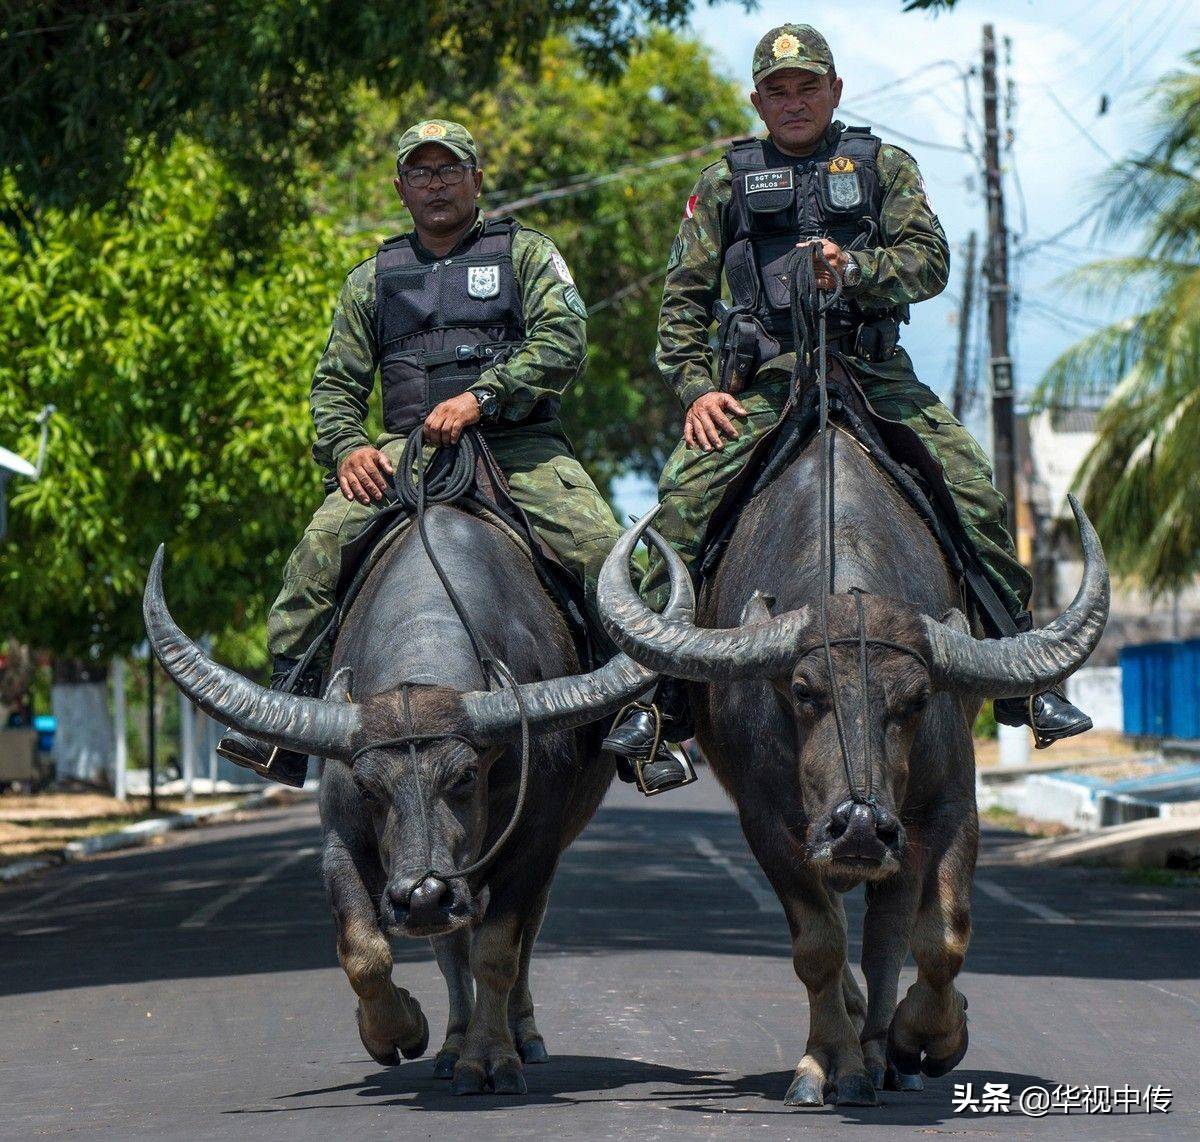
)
(464, 784)
(911, 706)
(807, 701)
(364, 789)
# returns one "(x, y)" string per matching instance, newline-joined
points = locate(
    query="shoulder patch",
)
(676, 254)
(575, 302)
(560, 267)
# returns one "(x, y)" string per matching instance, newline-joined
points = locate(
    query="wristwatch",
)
(489, 403)
(852, 274)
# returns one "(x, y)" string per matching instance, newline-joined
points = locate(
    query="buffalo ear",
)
(757, 609)
(340, 686)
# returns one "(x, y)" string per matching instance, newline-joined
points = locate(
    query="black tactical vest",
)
(439, 324)
(836, 196)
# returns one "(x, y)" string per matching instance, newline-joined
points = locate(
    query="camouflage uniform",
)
(544, 477)
(911, 265)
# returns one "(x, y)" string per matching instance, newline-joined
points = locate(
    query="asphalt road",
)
(192, 991)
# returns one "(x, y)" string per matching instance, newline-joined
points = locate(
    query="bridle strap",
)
(454, 486)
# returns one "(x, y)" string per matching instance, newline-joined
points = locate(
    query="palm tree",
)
(1142, 476)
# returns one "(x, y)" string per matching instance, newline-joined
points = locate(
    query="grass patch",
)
(1160, 878)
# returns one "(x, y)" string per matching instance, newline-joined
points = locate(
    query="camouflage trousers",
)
(693, 481)
(544, 478)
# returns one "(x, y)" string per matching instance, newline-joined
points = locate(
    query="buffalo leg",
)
(390, 1022)
(489, 1057)
(890, 906)
(530, 1044)
(833, 1058)
(454, 960)
(929, 1029)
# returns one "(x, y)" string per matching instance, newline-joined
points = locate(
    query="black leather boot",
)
(275, 764)
(639, 740)
(1050, 715)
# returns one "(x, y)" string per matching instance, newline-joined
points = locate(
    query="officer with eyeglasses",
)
(469, 321)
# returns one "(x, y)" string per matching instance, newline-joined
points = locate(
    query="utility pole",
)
(964, 331)
(999, 361)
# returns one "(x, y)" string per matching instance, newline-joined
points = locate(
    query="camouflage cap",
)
(792, 45)
(453, 136)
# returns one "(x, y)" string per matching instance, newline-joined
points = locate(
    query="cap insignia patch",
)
(432, 131)
(785, 46)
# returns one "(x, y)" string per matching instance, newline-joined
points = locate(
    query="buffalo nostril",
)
(887, 827)
(839, 819)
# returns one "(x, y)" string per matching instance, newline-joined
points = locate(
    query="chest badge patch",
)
(778, 179)
(841, 181)
(483, 281)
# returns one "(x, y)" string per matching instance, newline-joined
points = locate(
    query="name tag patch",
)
(778, 179)
(483, 281)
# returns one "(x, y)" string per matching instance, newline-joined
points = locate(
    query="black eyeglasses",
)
(449, 174)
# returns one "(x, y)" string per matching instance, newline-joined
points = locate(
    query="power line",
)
(1077, 124)
(959, 149)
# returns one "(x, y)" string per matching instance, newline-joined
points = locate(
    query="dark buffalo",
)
(388, 822)
(765, 720)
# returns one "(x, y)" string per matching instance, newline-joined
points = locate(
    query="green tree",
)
(175, 366)
(1142, 476)
(90, 89)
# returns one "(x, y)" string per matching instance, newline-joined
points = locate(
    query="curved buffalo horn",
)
(306, 725)
(1032, 662)
(562, 703)
(675, 645)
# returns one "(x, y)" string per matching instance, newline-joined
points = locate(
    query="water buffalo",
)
(766, 721)
(389, 820)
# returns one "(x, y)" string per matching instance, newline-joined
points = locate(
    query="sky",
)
(903, 74)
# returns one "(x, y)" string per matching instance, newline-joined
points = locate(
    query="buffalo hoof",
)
(909, 1064)
(443, 1065)
(533, 1051)
(855, 1090)
(469, 1078)
(805, 1091)
(418, 1046)
(385, 1056)
(508, 1079)
(908, 1083)
(935, 1068)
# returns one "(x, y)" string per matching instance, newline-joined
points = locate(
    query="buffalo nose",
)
(429, 899)
(854, 823)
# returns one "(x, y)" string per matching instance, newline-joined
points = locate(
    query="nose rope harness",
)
(808, 302)
(446, 485)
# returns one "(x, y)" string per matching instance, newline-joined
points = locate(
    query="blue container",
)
(46, 726)
(1160, 688)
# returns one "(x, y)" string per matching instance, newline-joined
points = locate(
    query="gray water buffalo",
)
(896, 810)
(404, 671)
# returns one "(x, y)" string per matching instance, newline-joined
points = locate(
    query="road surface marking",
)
(205, 914)
(1172, 994)
(996, 892)
(54, 893)
(763, 897)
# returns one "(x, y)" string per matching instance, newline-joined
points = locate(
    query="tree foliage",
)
(265, 83)
(1142, 476)
(180, 361)
(177, 370)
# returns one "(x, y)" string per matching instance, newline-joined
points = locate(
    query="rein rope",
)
(416, 488)
(809, 306)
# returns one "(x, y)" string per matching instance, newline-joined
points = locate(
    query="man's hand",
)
(707, 418)
(834, 255)
(445, 424)
(363, 475)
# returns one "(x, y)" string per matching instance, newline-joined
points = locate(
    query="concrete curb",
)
(1141, 844)
(134, 836)
(21, 868)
